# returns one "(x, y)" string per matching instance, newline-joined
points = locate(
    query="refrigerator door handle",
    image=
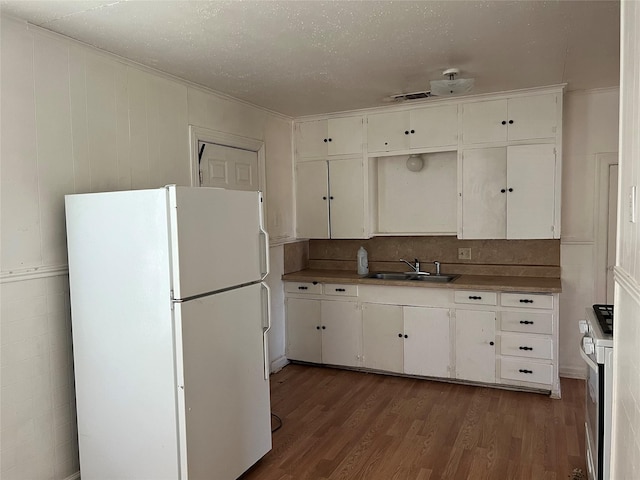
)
(264, 253)
(266, 326)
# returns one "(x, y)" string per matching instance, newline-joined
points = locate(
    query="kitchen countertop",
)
(467, 282)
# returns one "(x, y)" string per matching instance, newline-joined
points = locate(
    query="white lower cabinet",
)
(405, 339)
(426, 342)
(324, 331)
(480, 336)
(475, 345)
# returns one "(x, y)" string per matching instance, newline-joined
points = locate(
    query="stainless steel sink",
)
(413, 277)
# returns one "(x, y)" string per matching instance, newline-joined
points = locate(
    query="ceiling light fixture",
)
(452, 85)
(415, 163)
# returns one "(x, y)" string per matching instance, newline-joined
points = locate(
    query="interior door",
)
(228, 167)
(224, 421)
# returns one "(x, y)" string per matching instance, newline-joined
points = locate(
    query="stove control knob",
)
(587, 345)
(583, 326)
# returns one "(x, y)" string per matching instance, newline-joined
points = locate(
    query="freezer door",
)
(223, 396)
(217, 239)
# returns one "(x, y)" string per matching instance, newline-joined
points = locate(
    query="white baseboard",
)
(278, 364)
(75, 476)
(573, 372)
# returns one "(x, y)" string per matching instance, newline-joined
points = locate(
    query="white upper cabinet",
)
(532, 117)
(420, 128)
(509, 192)
(330, 199)
(335, 136)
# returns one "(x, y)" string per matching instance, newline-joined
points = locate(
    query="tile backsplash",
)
(539, 258)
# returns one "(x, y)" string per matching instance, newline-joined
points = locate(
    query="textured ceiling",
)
(307, 57)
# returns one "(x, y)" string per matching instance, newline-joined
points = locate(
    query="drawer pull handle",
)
(474, 297)
(303, 288)
(523, 370)
(525, 300)
(526, 322)
(340, 290)
(526, 348)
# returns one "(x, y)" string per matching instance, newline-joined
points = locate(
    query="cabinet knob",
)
(399, 335)
(325, 140)
(524, 370)
(406, 132)
(511, 189)
(413, 131)
(510, 122)
(330, 139)
(323, 327)
(502, 190)
(324, 198)
(318, 327)
(406, 336)
(491, 343)
(526, 322)
(525, 300)
(526, 348)
(504, 122)
(314, 282)
(331, 197)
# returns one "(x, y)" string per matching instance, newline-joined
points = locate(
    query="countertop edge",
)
(463, 282)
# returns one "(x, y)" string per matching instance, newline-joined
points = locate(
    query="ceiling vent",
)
(401, 97)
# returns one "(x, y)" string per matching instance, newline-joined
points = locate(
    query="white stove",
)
(597, 351)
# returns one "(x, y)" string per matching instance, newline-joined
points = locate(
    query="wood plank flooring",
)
(340, 424)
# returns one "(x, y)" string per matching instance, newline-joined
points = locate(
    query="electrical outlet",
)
(464, 254)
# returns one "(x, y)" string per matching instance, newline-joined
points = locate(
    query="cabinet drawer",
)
(526, 300)
(527, 322)
(526, 346)
(526, 371)
(303, 287)
(341, 290)
(475, 297)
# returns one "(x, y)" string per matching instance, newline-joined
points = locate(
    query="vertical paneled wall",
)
(590, 128)
(75, 120)
(626, 359)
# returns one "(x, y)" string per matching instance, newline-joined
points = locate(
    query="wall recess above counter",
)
(465, 127)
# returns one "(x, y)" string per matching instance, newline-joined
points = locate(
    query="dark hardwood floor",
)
(340, 424)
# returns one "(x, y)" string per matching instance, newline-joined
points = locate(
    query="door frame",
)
(604, 161)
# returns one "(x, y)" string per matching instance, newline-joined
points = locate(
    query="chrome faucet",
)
(416, 267)
(437, 264)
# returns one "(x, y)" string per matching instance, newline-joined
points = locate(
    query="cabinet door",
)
(434, 127)
(484, 199)
(386, 132)
(531, 191)
(341, 333)
(482, 122)
(312, 200)
(426, 346)
(475, 345)
(344, 136)
(303, 330)
(312, 139)
(532, 117)
(346, 190)
(382, 337)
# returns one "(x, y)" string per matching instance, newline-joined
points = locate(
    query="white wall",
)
(626, 359)
(75, 119)
(590, 128)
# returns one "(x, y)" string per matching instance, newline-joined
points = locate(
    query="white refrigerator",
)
(169, 318)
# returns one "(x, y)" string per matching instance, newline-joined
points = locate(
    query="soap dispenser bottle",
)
(363, 262)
